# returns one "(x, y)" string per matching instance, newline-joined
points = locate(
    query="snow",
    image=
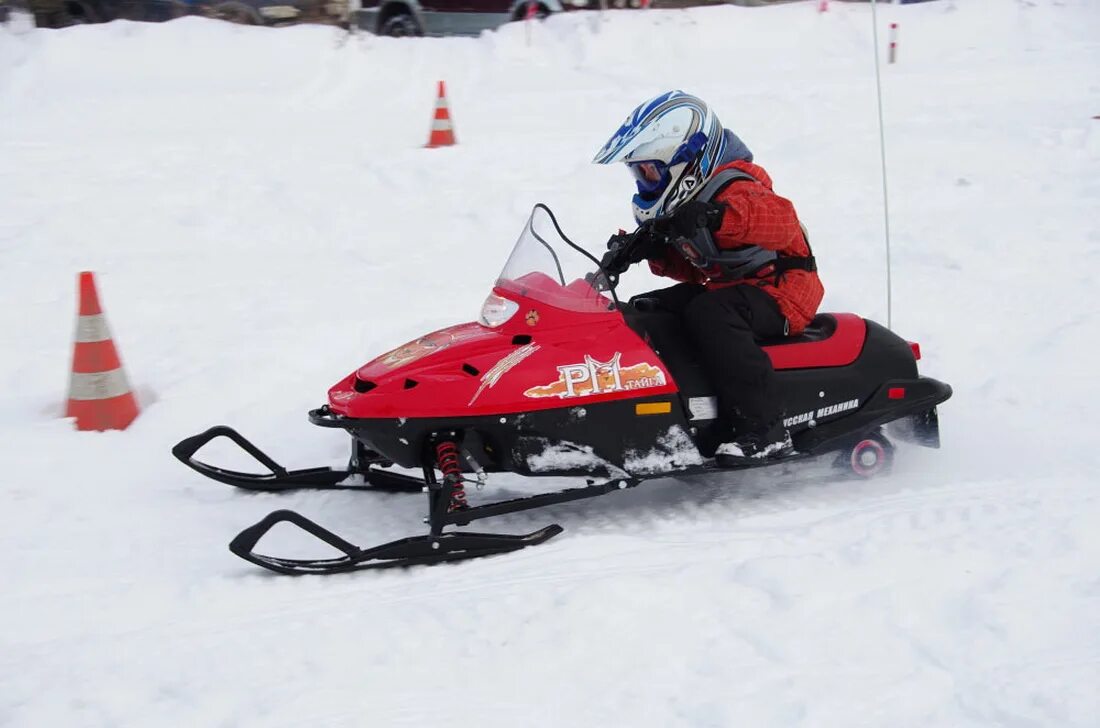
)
(674, 450)
(263, 219)
(558, 456)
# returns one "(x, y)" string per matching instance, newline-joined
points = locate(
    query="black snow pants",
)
(724, 324)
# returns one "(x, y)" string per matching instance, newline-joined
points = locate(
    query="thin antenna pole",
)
(882, 148)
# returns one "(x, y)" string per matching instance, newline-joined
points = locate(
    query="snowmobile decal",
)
(799, 419)
(596, 377)
(502, 367)
(838, 408)
(428, 344)
(833, 409)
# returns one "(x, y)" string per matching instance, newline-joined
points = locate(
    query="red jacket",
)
(755, 214)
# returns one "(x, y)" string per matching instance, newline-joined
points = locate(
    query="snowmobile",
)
(560, 378)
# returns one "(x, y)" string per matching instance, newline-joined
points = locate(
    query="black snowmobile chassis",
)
(437, 546)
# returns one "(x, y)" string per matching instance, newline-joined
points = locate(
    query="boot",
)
(754, 444)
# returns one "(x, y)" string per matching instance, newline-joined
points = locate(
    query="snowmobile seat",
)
(647, 313)
(831, 340)
(822, 327)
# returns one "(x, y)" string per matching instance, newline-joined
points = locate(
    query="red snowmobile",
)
(559, 378)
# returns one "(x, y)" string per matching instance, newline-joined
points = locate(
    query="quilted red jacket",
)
(755, 214)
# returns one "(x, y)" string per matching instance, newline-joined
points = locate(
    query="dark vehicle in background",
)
(63, 13)
(381, 17)
(274, 12)
(451, 17)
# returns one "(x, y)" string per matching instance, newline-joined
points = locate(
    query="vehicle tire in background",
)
(234, 12)
(401, 24)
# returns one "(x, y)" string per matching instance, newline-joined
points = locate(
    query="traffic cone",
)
(99, 395)
(443, 134)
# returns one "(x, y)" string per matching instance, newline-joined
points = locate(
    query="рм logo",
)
(597, 377)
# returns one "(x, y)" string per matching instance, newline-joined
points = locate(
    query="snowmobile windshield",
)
(544, 267)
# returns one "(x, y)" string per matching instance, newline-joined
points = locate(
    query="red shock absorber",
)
(446, 455)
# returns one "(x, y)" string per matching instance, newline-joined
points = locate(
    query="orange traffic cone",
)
(99, 395)
(443, 133)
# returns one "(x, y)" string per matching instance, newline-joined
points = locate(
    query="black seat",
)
(822, 327)
(641, 310)
(665, 332)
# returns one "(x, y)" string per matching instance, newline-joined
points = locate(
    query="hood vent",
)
(471, 370)
(363, 386)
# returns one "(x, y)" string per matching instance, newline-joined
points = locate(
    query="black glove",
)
(613, 263)
(625, 249)
(615, 259)
(619, 240)
(650, 243)
(692, 217)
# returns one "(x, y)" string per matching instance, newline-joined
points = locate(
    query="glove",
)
(692, 217)
(615, 260)
(625, 249)
(614, 263)
(649, 243)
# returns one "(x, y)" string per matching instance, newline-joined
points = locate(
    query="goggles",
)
(652, 176)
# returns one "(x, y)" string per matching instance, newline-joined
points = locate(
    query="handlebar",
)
(623, 252)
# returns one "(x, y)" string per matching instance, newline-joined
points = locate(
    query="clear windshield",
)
(547, 269)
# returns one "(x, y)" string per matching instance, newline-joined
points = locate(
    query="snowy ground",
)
(263, 219)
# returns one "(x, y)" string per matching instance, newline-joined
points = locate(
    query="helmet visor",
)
(651, 176)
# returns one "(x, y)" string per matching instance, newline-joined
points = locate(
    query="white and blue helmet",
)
(672, 144)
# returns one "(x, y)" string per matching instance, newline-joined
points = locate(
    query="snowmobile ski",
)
(280, 479)
(413, 551)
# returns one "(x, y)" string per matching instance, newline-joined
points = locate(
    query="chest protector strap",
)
(746, 261)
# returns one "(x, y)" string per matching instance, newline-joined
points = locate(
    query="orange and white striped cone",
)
(99, 395)
(442, 134)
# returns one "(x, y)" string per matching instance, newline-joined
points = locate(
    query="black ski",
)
(413, 551)
(280, 479)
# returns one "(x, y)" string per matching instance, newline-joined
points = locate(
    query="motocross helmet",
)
(672, 144)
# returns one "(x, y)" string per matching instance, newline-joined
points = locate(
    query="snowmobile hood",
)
(409, 357)
(543, 357)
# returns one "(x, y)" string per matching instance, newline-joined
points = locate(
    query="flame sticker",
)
(502, 367)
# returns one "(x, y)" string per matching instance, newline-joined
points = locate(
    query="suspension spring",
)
(447, 458)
